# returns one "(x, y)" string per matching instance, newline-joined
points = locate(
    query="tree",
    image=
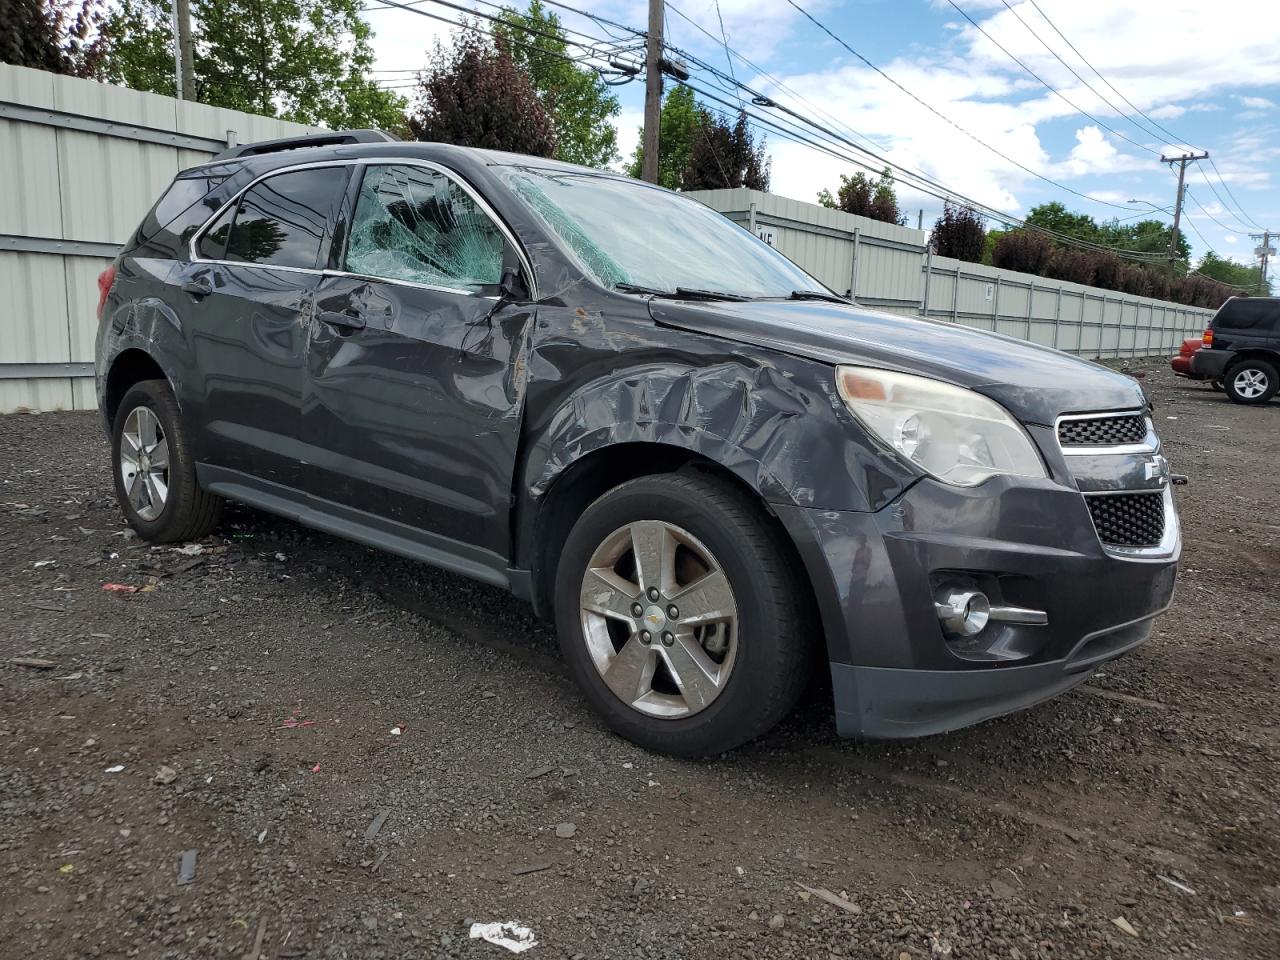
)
(578, 101)
(474, 95)
(301, 60)
(140, 54)
(959, 233)
(680, 122)
(304, 60)
(1225, 270)
(864, 197)
(726, 156)
(1027, 251)
(61, 36)
(1145, 236)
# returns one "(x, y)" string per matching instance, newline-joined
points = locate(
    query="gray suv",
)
(710, 471)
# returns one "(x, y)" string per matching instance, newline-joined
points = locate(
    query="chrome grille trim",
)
(1080, 430)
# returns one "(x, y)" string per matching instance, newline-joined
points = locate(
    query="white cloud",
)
(1228, 238)
(1170, 111)
(1256, 103)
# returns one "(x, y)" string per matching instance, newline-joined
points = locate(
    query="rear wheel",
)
(155, 476)
(1251, 381)
(680, 616)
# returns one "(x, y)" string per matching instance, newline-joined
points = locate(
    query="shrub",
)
(1074, 266)
(959, 233)
(1027, 251)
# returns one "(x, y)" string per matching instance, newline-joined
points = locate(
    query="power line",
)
(1243, 233)
(947, 119)
(1048, 86)
(1223, 181)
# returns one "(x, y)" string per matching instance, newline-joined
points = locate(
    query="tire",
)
(1251, 381)
(715, 530)
(177, 509)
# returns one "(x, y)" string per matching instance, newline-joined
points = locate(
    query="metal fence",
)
(80, 164)
(888, 267)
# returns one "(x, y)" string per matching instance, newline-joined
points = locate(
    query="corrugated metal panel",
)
(72, 185)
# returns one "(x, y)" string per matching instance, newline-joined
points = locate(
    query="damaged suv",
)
(712, 472)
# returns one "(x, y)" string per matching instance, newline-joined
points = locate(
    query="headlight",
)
(952, 433)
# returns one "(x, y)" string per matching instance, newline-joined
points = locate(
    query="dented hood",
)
(1035, 383)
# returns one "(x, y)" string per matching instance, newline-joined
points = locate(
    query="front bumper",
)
(1027, 544)
(1210, 364)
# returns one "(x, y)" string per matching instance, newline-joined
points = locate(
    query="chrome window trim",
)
(1149, 444)
(452, 175)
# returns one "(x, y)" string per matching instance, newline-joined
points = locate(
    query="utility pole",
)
(1264, 252)
(652, 92)
(187, 87)
(1182, 161)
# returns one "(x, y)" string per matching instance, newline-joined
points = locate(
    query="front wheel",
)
(680, 615)
(1251, 381)
(155, 475)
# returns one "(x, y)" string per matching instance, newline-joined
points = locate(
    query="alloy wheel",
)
(144, 463)
(659, 619)
(1250, 383)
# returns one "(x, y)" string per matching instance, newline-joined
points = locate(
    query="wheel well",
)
(1252, 354)
(130, 367)
(600, 471)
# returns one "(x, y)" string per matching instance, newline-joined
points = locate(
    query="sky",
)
(1206, 76)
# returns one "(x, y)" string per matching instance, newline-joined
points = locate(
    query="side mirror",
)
(512, 286)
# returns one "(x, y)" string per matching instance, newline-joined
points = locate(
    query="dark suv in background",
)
(709, 470)
(1241, 348)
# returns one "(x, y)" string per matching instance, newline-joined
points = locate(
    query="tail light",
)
(105, 279)
(1207, 338)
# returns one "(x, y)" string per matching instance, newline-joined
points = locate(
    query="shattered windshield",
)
(414, 223)
(621, 231)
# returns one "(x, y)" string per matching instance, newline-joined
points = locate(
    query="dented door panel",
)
(415, 415)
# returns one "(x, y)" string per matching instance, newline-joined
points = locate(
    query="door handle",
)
(199, 287)
(335, 318)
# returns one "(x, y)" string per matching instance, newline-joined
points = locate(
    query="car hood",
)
(1036, 384)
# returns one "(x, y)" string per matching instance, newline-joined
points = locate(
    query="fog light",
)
(964, 613)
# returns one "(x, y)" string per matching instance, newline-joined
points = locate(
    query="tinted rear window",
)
(1248, 314)
(281, 222)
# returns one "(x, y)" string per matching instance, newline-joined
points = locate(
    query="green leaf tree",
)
(680, 122)
(577, 100)
(726, 155)
(303, 60)
(866, 197)
(1226, 270)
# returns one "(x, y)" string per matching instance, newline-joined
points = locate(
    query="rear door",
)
(415, 366)
(248, 296)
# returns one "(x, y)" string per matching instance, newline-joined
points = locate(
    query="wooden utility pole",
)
(1263, 253)
(1182, 162)
(187, 51)
(652, 92)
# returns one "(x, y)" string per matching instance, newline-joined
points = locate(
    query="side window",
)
(1247, 313)
(281, 222)
(413, 223)
(213, 242)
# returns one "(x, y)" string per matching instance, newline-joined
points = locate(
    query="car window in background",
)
(413, 223)
(1247, 313)
(281, 221)
(624, 231)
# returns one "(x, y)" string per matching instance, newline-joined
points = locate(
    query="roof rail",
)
(337, 138)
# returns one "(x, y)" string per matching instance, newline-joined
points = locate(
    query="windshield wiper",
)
(818, 295)
(680, 293)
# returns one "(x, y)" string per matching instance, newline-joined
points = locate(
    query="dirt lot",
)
(269, 673)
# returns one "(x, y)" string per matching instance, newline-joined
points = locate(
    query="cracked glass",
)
(415, 224)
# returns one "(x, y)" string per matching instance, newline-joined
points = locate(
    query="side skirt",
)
(357, 525)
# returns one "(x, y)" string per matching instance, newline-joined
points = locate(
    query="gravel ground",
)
(244, 705)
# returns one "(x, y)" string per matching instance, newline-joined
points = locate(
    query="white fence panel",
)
(81, 163)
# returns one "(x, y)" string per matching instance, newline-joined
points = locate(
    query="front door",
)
(247, 299)
(416, 367)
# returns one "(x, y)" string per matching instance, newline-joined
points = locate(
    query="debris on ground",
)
(1175, 884)
(531, 868)
(822, 893)
(376, 826)
(119, 588)
(1125, 926)
(190, 550)
(513, 935)
(116, 769)
(187, 868)
(566, 830)
(165, 775)
(33, 663)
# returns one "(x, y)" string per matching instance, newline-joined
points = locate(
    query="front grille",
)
(1103, 431)
(1128, 519)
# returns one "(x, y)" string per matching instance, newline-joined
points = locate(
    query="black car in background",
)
(1241, 348)
(709, 470)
